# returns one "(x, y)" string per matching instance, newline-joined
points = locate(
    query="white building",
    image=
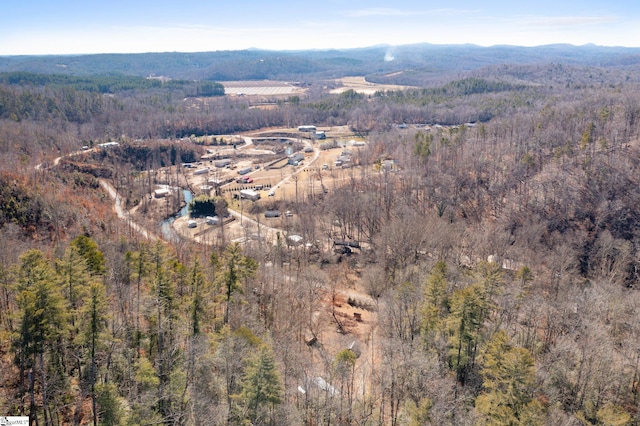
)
(249, 194)
(161, 192)
(108, 144)
(222, 163)
(201, 171)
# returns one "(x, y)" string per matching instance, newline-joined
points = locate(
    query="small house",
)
(161, 192)
(296, 158)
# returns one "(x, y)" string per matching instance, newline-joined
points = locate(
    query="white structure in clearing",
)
(249, 194)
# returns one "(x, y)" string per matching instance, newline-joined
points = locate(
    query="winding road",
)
(123, 214)
(113, 193)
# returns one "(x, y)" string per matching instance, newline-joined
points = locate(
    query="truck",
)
(244, 171)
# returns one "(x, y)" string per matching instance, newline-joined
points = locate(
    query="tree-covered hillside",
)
(425, 59)
(477, 263)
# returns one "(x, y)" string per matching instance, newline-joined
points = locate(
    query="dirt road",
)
(122, 213)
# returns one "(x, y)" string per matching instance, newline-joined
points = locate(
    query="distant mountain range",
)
(308, 65)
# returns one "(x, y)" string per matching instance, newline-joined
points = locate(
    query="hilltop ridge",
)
(256, 64)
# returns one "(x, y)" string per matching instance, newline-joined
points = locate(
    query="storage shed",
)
(249, 194)
(161, 192)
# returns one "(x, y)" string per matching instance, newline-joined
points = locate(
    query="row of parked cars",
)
(245, 179)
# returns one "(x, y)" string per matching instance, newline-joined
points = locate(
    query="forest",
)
(495, 271)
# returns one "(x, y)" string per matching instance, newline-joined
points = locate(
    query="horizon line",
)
(383, 45)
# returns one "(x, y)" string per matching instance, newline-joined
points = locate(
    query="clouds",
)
(412, 12)
(567, 21)
(377, 11)
(74, 26)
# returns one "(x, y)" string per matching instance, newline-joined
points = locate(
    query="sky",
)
(44, 27)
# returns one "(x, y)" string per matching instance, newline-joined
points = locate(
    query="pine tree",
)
(42, 321)
(435, 307)
(468, 312)
(165, 316)
(94, 316)
(236, 268)
(261, 386)
(140, 265)
(199, 290)
(91, 253)
(491, 277)
(75, 279)
(509, 378)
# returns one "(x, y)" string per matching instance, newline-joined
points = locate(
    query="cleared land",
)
(360, 85)
(260, 88)
(283, 88)
(314, 176)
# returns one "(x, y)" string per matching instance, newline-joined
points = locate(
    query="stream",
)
(166, 226)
